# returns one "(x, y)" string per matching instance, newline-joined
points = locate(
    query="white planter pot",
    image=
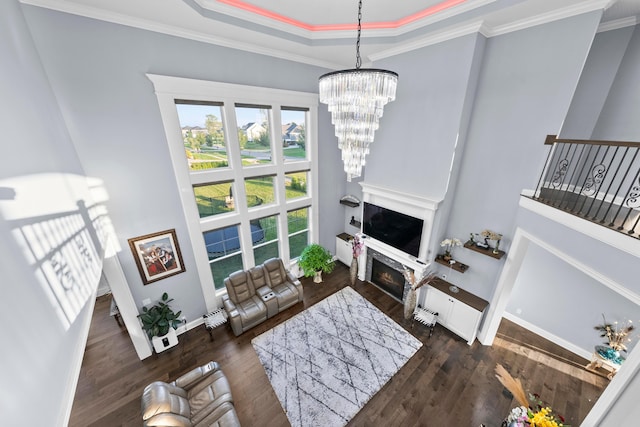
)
(164, 342)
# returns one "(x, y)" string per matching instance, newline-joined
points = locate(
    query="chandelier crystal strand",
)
(356, 100)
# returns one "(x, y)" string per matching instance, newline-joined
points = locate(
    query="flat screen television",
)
(396, 229)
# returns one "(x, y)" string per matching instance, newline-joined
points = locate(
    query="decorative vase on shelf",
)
(446, 256)
(496, 250)
(353, 271)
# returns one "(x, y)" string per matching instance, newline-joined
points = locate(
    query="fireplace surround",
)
(387, 274)
(408, 204)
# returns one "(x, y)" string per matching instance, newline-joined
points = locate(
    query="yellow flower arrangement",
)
(527, 414)
(543, 418)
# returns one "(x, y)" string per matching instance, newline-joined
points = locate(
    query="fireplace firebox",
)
(387, 278)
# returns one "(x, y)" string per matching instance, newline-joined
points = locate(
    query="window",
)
(254, 135)
(265, 239)
(203, 134)
(298, 226)
(248, 192)
(294, 138)
(259, 190)
(295, 185)
(223, 248)
(214, 199)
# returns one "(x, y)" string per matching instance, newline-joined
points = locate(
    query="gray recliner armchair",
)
(285, 285)
(201, 397)
(243, 305)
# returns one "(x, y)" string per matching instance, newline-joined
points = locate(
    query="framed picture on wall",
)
(157, 255)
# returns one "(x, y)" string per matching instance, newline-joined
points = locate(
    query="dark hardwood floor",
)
(446, 383)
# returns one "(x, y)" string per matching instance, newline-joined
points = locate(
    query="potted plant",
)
(314, 260)
(160, 323)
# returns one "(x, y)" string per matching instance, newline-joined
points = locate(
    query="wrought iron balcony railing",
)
(596, 180)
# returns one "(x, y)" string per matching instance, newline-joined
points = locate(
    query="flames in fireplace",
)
(388, 279)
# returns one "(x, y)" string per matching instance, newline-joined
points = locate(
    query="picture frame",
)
(157, 255)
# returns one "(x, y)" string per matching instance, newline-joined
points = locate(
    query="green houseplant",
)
(160, 322)
(314, 260)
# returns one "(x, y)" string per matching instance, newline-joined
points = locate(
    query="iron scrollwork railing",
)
(596, 180)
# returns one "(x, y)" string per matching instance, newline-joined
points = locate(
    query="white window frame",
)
(167, 90)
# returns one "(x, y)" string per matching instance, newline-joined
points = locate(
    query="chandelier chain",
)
(358, 59)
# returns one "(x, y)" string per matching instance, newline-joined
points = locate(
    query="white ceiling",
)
(322, 32)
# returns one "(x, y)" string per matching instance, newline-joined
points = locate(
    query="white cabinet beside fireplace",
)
(343, 248)
(459, 312)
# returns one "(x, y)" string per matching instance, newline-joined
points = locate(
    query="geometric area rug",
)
(325, 363)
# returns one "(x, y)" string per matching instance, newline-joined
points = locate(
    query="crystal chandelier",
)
(356, 99)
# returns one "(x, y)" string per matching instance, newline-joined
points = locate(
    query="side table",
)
(604, 357)
(214, 319)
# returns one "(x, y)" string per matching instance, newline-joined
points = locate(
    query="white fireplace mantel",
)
(408, 204)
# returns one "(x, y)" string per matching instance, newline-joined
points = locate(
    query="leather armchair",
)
(286, 286)
(202, 397)
(244, 307)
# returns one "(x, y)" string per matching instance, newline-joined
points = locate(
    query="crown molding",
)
(448, 33)
(393, 29)
(431, 39)
(144, 24)
(618, 23)
(544, 18)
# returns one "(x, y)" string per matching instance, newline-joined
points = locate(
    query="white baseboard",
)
(549, 336)
(188, 326)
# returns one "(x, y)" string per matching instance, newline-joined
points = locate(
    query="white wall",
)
(51, 254)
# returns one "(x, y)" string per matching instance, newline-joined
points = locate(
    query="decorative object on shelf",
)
(315, 260)
(160, 323)
(157, 255)
(457, 266)
(471, 240)
(492, 235)
(531, 412)
(356, 100)
(616, 334)
(356, 248)
(610, 354)
(412, 297)
(448, 245)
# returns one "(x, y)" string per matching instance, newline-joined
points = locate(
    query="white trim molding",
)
(408, 204)
(168, 89)
(610, 237)
(548, 335)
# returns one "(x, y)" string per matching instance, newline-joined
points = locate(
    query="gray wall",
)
(520, 99)
(562, 300)
(598, 75)
(97, 70)
(619, 118)
(41, 181)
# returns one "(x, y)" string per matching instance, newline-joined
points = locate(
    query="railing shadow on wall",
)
(595, 180)
(61, 223)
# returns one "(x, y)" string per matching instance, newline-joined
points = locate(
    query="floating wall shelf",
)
(349, 203)
(487, 252)
(457, 266)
